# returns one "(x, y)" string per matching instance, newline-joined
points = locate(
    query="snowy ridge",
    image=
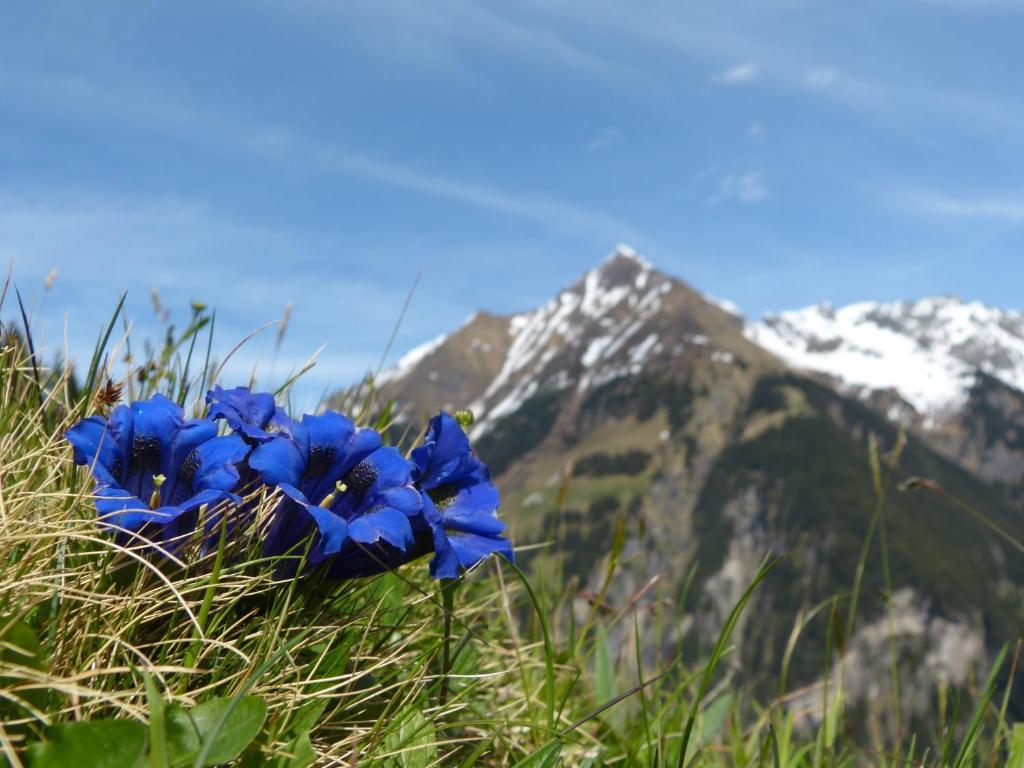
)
(411, 359)
(927, 350)
(605, 311)
(408, 362)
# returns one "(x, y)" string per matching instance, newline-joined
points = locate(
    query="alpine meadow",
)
(512, 384)
(718, 560)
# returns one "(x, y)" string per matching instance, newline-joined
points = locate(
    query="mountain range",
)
(631, 406)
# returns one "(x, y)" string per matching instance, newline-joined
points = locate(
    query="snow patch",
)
(725, 305)
(407, 362)
(928, 351)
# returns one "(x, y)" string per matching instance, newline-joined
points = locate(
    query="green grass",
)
(377, 672)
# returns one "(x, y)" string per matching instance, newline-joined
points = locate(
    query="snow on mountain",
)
(624, 316)
(927, 350)
(411, 359)
(598, 318)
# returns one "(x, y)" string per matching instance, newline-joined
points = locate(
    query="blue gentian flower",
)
(254, 415)
(460, 502)
(154, 467)
(341, 485)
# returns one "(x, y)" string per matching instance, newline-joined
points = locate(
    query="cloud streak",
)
(552, 213)
(741, 188)
(737, 75)
(605, 140)
(1007, 208)
(285, 147)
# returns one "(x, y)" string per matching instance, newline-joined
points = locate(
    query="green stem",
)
(448, 587)
(157, 724)
(204, 610)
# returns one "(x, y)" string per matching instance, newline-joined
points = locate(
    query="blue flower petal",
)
(360, 445)
(184, 459)
(390, 525)
(282, 460)
(464, 541)
(404, 498)
(121, 426)
(446, 454)
(96, 447)
(328, 432)
(254, 415)
(240, 407)
(445, 563)
(190, 436)
(479, 524)
(471, 549)
(217, 460)
(291, 524)
(333, 529)
(155, 424)
(384, 468)
(118, 508)
(293, 493)
(211, 497)
(157, 417)
(472, 510)
(360, 560)
(333, 532)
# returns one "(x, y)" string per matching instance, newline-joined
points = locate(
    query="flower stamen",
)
(154, 499)
(330, 498)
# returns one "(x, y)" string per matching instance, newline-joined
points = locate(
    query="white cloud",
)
(605, 140)
(742, 188)
(737, 75)
(820, 78)
(1003, 207)
(755, 131)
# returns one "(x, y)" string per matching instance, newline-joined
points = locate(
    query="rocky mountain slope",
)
(632, 406)
(950, 370)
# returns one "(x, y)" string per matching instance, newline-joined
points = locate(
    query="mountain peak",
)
(620, 320)
(625, 253)
(622, 268)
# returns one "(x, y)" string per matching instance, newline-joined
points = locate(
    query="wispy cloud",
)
(977, 6)
(443, 30)
(605, 140)
(742, 188)
(820, 78)
(737, 75)
(1007, 208)
(555, 214)
(755, 131)
(286, 147)
(708, 34)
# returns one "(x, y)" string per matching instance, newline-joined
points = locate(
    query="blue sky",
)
(255, 154)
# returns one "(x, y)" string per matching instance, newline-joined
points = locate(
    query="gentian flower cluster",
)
(347, 502)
